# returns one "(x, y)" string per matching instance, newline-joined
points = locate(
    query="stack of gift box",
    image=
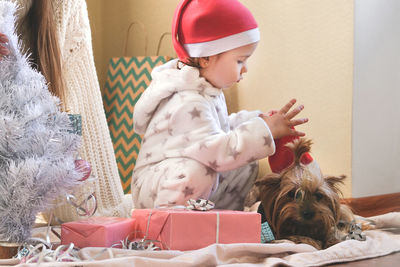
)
(174, 229)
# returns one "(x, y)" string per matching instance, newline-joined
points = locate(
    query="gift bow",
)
(192, 204)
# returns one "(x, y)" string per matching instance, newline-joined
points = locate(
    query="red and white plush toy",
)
(284, 157)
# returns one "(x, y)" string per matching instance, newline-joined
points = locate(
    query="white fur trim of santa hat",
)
(215, 47)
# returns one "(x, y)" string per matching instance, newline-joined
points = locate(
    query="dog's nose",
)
(308, 214)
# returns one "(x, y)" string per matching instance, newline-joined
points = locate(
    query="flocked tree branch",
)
(37, 146)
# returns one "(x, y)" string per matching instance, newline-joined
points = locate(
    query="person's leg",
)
(184, 179)
(172, 182)
(234, 186)
(143, 181)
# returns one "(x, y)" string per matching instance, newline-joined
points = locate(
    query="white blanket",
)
(379, 242)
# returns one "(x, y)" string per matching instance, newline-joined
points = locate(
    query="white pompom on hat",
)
(202, 28)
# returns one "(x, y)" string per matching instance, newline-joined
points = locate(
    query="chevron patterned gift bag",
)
(127, 78)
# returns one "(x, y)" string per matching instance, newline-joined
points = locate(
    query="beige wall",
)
(111, 19)
(305, 52)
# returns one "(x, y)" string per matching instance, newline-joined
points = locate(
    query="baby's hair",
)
(191, 61)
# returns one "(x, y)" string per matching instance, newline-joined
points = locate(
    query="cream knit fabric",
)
(83, 96)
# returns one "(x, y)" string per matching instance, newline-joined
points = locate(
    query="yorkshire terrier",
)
(302, 205)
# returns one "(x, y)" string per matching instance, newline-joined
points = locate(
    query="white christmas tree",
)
(37, 144)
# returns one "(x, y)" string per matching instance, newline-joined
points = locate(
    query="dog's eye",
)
(341, 224)
(318, 196)
(298, 195)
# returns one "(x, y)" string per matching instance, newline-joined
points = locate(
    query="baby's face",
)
(225, 69)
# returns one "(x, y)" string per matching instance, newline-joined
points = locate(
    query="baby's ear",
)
(204, 62)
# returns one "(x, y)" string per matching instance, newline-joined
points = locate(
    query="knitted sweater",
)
(83, 96)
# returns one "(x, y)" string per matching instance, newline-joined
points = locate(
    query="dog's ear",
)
(270, 180)
(269, 185)
(334, 182)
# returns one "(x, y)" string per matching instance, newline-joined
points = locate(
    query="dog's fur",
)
(302, 205)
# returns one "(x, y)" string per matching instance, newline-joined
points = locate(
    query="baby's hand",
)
(3, 50)
(281, 123)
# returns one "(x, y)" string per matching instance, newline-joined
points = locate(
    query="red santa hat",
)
(284, 157)
(202, 28)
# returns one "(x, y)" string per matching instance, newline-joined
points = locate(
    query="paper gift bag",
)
(179, 229)
(97, 231)
(127, 78)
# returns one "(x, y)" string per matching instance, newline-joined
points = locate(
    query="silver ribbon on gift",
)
(200, 204)
(192, 204)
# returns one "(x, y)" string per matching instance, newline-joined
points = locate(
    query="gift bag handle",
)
(160, 41)
(127, 36)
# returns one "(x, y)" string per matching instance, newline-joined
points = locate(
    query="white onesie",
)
(191, 148)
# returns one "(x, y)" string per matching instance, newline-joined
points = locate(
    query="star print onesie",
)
(191, 148)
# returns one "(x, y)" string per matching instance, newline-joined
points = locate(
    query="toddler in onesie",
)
(191, 147)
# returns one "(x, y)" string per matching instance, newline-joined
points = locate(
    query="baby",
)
(191, 147)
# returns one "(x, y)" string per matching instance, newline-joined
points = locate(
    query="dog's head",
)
(300, 200)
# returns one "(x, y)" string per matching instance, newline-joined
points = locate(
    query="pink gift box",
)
(97, 231)
(180, 229)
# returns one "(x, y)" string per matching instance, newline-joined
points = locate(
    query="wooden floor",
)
(374, 205)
